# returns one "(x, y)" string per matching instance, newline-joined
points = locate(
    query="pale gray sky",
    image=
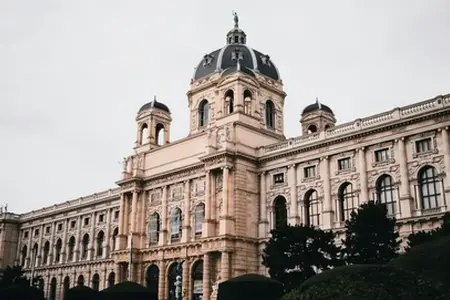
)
(74, 73)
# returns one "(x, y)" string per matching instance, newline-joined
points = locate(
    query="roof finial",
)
(236, 19)
(318, 103)
(154, 98)
(317, 99)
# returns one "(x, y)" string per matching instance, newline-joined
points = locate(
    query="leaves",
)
(370, 237)
(12, 276)
(422, 236)
(295, 253)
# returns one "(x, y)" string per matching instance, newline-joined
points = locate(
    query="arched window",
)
(80, 280)
(152, 278)
(96, 282)
(52, 289)
(197, 280)
(34, 254)
(144, 134)
(175, 225)
(23, 255)
(159, 134)
(175, 270)
(386, 193)
(429, 188)
(347, 200)
(66, 285)
(45, 254)
(71, 248)
(312, 208)
(58, 249)
(84, 246)
(327, 126)
(111, 279)
(247, 102)
(199, 218)
(270, 114)
(203, 113)
(114, 238)
(312, 129)
(154, 228)
(247, 95)
(229, 101)
(280, 212)
(100, 240)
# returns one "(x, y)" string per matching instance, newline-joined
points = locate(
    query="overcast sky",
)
(74, 73)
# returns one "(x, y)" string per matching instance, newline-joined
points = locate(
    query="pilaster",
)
(263, 222)
(362, 164)
(187, 208)
(292, 181)
(163, 232)
(327, 210)
(405, 194)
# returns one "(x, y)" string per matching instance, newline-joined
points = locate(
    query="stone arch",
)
(347, 200)
(52, 290)
(80, 280)
(160, 135)
(143, 134)
(176, 223)
(430, 187)
(386, 192)
(312, 128)
(270, 114)
(66, 284)
(100, 241)
(111, 279)
(280, 212)
(312, 207)
(203, 113)
(96, 282)
(174, 270)
(196, 272)
(229, 101)
(152, 278)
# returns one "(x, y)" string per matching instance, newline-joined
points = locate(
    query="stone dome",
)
(236, 56)
(154, 104)
(317, 106)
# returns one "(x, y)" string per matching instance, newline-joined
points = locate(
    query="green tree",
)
(13, 276)
(370, 236)
(420, 237)
(296, 253)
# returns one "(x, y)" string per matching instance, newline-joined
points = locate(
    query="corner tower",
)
(153, 126)
(237, 83)
(317, 117)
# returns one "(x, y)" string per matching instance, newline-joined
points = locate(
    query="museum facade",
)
(198, 210)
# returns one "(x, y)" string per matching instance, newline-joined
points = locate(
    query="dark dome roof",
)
(236, 56)
(317, 106)
(154, 104)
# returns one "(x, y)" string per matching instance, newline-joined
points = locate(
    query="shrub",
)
(430, 260)
(368, 282)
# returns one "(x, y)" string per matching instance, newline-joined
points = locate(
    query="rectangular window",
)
(86, 221)
(278, 178)
(25, 235)
(47, 229)
(344, 164)
(116, 214)
(309, 172)
(73, 224)
(101, 218)
(382, 155)
(59, 227)
(423, 146)
(36, 232)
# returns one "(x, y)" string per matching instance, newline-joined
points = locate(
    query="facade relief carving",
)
(373, 175)
(415, 166)
(338, 181)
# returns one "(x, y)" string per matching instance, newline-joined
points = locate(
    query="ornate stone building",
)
(202, 207)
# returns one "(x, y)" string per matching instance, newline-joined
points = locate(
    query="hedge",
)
(431, 260)
(368, 282)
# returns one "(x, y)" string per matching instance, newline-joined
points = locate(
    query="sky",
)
(73, 74)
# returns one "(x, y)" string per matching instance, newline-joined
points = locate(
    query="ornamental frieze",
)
(174, 177)
(338, 181)
(372, 176)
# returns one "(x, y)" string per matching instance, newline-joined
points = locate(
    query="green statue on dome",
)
(236, 19)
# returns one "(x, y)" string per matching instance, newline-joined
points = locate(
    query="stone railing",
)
(72, 204)
(396, 114)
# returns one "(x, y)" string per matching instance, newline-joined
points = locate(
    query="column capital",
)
(292, 166)
(262, 173)
(324, 158)
(400, 139)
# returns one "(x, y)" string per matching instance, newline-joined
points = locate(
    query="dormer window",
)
(207, 59)
(266, 60)
(237, 55)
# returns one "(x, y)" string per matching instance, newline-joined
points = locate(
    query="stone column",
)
(405, 194)
(187, 216)
(106, 247)
(76, 251)
(162, 281)
(206, 276)
(52, 244)
(185, 280)
(117, 271)
(292, 180)
(27, 261)
(92, 238)
(19, 247)
(208, 222)
(224, 218)
(134, 211)
(225, 266)
(363, 176)
(121, 213)
(327, 209)
(164, 231)
(62, 258)
(446, 147)
(263, 222)
(39, 262)
(123, 223)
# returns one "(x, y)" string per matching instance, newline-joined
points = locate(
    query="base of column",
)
(121, 242)
(226, 225)
(262, 228)
(405, 206)
(208, 228)
(327, 219)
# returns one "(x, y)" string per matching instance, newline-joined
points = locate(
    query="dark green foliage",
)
(422, 236)
(431, 260)
(370, 236)
(295, 253)
(13, 276)
(368, 282)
